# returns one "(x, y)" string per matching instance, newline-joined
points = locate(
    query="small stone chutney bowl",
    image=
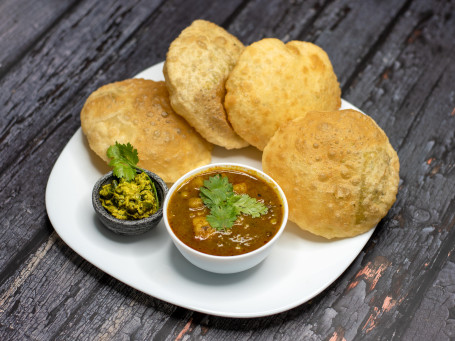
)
(128, 227)
(225, 264)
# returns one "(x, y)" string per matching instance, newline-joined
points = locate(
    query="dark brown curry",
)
(187, 215)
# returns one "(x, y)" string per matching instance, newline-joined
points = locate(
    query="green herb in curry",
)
(134, 196)
(225, 205)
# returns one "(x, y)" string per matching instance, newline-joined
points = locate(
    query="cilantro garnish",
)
(124, 160)
(225, 205)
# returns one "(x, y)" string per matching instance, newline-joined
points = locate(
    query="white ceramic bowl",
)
(225, 264)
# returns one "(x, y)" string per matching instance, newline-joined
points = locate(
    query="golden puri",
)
(138, 111)
(197, 65)
(337, 169)
(274, 82)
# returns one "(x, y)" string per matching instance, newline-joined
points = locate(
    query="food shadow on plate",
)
(292, 229)
(97, 162)
(143, 244)
(194, 274)
(250, 155)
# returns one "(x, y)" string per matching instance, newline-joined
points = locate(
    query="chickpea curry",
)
(225, 212)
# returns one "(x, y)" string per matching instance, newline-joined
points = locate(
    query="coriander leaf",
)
(248, 205)
(124, 159)
(113, 152)
(125, 152)
(225, 205)
(122, 170)
(216, 190)
(222, 217)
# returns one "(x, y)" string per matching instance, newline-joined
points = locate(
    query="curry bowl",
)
(129, 227)
(225, 233)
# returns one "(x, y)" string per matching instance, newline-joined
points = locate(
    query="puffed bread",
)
(138, 111)
(338, 170)
(197, 64)
(274, 82)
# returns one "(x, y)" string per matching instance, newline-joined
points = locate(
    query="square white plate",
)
(300, 266)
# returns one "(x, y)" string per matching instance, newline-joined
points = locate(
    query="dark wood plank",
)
(436, 306)
(23, 23)
(79, 295)
(394, 60)
(72, 50)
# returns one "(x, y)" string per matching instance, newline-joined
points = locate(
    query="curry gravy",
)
(187, 212)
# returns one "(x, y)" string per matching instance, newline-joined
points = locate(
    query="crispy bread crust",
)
(138, 111)
(274, 82)
(196, 68)
(338, 170)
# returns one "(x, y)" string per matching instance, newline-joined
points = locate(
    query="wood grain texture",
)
(49, 78)
(394, 60)
(23, 24)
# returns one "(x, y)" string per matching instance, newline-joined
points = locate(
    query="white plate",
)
(300, 266)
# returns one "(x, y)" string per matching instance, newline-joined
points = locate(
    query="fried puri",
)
(197, 65)
(138, 111)
(337, 169)
(274, 82)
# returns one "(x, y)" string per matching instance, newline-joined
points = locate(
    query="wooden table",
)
(394, 60)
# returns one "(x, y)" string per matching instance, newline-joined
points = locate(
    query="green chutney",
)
(132, 200)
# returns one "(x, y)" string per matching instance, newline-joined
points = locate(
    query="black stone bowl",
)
(128, 227)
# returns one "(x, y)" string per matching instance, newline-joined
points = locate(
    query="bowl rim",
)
(128, 222)
(201, 169)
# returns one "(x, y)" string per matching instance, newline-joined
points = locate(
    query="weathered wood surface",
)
(394, 60)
